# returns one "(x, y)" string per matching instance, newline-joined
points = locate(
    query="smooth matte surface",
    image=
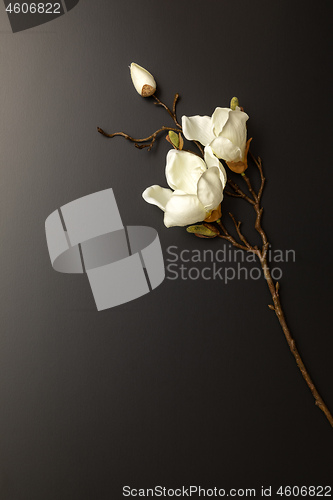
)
(192, 383)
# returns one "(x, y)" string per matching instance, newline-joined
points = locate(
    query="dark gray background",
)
(193, 383)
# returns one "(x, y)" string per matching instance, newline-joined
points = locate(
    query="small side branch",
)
(229, 193)
(199, 147)
(240, 234)
(139, 143)
(259, 211)
(175, 100)
(174, 117)
(171, 113)
(258, 163)
(231, 239)
(148, 142)
(239, 192)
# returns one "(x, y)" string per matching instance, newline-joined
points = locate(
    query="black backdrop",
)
(192, 384)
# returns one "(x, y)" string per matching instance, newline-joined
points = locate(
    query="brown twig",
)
(174, 117)
(137, 141)
(175, 100)
(291, 342)
(153, 136)
(235, 195)
(240, 234)
(249, 186)
(258, 162)
(200, 147)
(238, 190)
(171, 113)
(192, 152)
(231, 239)
(273, 287)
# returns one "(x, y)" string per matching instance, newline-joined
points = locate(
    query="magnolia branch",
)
(254, 199)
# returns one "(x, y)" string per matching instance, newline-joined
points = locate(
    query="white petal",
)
(219, 119)
(198, 128)
(183, 170)
(141, 77)
(225, 149)
(183, 209)
(212, 161)
(235, 130)
(156, 195)
(210, 190)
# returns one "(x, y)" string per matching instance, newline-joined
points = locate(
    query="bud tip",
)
(234, 103)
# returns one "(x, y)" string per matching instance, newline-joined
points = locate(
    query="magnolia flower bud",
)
(175, 140)
(203, 230)
(143, 81)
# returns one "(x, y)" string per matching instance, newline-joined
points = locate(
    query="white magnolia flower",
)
(224, 132)
(143, 81)
(197, 184)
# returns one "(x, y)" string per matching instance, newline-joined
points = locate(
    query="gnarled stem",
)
(171, 113)
(273, 287)
(277, 308)
(140, 143)
(151, 138)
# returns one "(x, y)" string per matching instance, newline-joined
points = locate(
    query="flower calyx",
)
(214, 215)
